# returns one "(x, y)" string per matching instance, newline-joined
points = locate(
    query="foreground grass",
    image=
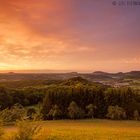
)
(86, 130)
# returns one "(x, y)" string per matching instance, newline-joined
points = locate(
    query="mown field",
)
(86, 130)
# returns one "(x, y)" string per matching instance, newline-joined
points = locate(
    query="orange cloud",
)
(60, 34)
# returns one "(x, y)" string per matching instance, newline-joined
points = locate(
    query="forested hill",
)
(58, 99)
(74, 81)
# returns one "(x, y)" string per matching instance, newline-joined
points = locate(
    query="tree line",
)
(90, 102)
(68, 101)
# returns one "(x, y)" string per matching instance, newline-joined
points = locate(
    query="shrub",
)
(1, 129)
(31, 112)
(116, 113)
(26, 130)
(17, 112)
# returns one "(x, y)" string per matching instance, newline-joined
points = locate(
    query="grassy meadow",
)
(85, 130)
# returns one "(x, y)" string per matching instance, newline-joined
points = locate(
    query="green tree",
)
(55, 112)
(91, 109)
(115, 113)
(136, 115)
(46, 106)
(74, 111)
(6, 99)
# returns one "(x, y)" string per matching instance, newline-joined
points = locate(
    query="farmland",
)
(95, 129)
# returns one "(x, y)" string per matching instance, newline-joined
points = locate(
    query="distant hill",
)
(75, 80)
(133, 74)
(95, 76)
(100, 73)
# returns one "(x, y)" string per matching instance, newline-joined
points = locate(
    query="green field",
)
(86, 130)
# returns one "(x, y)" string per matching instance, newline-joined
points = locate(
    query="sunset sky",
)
(75, 35)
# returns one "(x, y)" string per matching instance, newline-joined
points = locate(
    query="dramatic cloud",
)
(67, 34)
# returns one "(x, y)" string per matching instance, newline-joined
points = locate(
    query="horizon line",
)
(61, 71)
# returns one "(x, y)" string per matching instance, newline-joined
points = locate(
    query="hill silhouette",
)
(75, 80)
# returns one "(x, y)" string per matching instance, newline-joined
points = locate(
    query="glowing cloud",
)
(77, 35)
